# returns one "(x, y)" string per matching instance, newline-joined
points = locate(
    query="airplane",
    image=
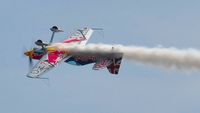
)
(50, 57)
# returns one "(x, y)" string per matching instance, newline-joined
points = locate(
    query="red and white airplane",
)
(50, 58)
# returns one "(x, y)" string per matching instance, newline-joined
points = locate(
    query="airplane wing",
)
(41, 67)
(79, 37)
(46, 63)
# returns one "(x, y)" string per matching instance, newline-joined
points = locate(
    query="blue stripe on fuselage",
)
(79, 62)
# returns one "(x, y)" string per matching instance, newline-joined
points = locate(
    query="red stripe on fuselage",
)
(72, 40)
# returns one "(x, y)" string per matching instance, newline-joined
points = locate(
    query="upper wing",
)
(79, 37)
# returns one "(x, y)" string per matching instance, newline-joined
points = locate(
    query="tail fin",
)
(115, 65)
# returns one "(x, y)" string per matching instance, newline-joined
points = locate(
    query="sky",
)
(137, 88)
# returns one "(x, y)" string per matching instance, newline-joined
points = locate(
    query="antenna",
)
(81, 31)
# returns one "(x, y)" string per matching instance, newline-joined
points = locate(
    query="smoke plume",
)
(165, 57)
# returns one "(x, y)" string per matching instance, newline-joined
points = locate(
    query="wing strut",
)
(81, 31)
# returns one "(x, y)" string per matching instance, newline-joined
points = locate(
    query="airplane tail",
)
(114, 66)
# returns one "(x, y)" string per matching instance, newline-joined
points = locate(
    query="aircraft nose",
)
(28, 53)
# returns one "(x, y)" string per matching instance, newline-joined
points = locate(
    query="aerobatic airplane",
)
(50, 58)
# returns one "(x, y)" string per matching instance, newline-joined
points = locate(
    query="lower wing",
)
(46, 63)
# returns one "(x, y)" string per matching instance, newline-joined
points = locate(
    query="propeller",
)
(30, 63)
(27, 53)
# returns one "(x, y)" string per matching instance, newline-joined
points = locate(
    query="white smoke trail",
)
(165, 57)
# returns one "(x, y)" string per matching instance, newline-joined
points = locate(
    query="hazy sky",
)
(137, 89)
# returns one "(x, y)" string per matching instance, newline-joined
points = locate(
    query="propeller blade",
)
(30, 62)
